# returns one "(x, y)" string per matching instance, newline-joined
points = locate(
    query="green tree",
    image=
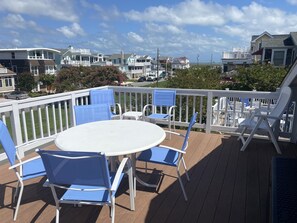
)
(69, 79)
(101, 76)
(26, 81)
(258, 77)
(196, 77)
(75, 78)
(48, 80)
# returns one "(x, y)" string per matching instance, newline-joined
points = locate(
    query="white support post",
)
(71, 110)
(209, 112)
(16, 127)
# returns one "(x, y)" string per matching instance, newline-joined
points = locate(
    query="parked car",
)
(17, 95)
(141, 79)
(152, 76)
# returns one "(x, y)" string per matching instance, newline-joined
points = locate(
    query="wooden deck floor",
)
(226, 186)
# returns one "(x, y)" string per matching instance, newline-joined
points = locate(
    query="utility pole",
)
(198, 59)
(157, 66)
(211, 59)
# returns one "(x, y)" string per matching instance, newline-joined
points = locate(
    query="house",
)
(180, 63)
(164, 64)
(34, 60)
(78, 57)
(132, 65)
(103, 60)
(7, 81)
(278, 50)
(238, 57)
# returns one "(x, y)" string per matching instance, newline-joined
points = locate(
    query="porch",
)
(226, 185)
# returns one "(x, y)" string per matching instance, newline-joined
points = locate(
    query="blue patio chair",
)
(85, 178)
(170, 156)
(91, 113)
(25, 170)
(245, 101)
(161, 99)
(106, 96)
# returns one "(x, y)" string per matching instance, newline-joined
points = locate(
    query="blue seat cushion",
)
(89, 196)
(158, 116)
(159, 155)
(32, 169)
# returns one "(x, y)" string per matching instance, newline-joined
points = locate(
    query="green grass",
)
(37, 123)
(162, 84)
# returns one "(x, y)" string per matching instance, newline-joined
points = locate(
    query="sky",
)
(198, 30)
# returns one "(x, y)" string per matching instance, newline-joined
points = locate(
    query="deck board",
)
(226, 186)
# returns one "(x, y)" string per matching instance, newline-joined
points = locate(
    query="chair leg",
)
(182, 186)
(169, 126)
(16, 191)
(251, 135)
(186, 170)
(19, 201)
(57, 214)
(272, 138)
(112, 211)
(240, 137)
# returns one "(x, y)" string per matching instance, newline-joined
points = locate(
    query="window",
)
(1, 82)
(49, 69)
(50, 55)
(34, 70)
(38, 54)
(12, 55)
(31, 54)
(268, 53)
(278, 57)
(8, 82)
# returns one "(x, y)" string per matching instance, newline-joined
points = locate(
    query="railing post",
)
(209, 112)
(71, 110)
(16, 127)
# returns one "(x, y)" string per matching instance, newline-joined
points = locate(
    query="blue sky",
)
(178, 28)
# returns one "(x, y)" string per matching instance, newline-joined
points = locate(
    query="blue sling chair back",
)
(161, 99)
(85, 177)
(24, 170)
(106, 96)
(91, 113)
(170, 156)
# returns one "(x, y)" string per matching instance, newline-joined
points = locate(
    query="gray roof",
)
(117, 56)
(294, 37)
(277, 41)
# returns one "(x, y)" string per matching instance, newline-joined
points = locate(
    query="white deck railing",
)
(35, 121)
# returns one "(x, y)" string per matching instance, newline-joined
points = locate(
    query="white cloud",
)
(135, 37)
(255, 19)
(72, 31)
(292, 2)
(16, 42)
(158, 28)
(56, 9)
(191, 12)
(16, 21)
(226, 19)
(106, 14)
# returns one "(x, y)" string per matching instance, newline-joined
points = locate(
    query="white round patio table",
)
(112, 137)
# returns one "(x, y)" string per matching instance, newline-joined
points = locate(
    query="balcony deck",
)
(226, 186)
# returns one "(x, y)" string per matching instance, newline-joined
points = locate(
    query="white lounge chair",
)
(267, 121)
